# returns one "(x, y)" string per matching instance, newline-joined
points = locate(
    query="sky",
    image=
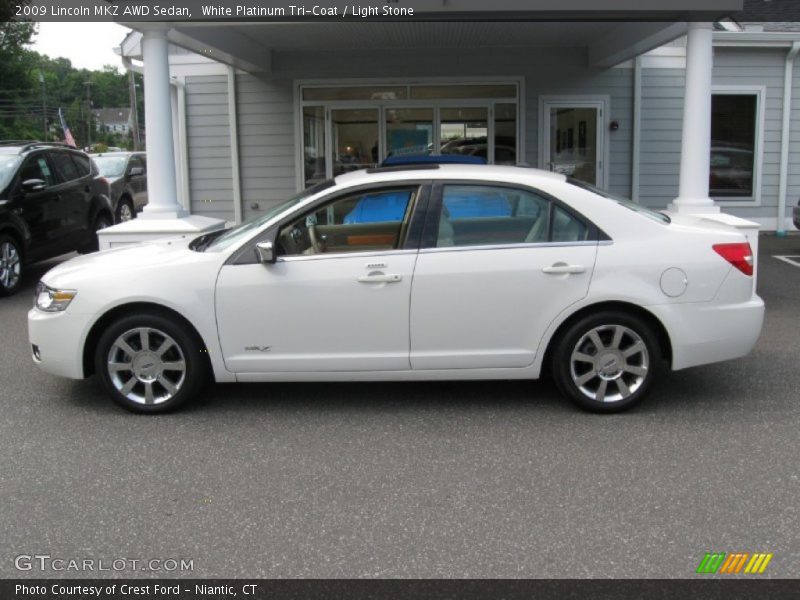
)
(87, 45)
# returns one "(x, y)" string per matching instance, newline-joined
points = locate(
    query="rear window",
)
(637, 208)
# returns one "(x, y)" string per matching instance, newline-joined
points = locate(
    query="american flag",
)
(67, 133)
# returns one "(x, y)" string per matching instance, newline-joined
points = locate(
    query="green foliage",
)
(33, 87)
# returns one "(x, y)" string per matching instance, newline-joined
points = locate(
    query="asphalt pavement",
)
(470, 479)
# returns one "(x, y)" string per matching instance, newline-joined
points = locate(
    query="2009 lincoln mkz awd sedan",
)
(416, 273)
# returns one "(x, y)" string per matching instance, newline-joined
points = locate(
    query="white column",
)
(693, 196)
(161, 178)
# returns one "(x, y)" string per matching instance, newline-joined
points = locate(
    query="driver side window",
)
(371, 220)
(36, 167)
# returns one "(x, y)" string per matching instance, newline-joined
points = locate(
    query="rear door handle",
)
(381, 278)
(561, 268)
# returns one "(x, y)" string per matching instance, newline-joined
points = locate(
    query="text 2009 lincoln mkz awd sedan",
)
(415, 273)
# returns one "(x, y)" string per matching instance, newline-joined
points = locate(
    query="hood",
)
(127, 261)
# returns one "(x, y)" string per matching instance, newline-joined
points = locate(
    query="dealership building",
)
(692, 106)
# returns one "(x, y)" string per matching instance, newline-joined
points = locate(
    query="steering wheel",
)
(317, 242)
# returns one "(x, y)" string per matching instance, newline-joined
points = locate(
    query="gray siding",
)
(209, 147)
(662, 117)
(266, 142)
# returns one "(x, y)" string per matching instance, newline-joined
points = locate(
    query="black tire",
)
(147, 366)
(11, 265)
(101, 221)
(125, 211)
(627, 378)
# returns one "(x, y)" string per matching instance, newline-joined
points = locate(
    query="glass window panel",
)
(505, 134)
(430, 92)
(355, 139)
(362, 222)
(313, 145)
(383, 92)
(567, 228)
(733, 138)
(409, 131)
(464, 131)
(479, 215)
(573, 142)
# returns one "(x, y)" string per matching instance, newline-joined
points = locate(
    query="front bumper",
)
(706, 333)
(59, 338)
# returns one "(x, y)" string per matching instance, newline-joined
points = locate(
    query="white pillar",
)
(693, 196)
(162, 189)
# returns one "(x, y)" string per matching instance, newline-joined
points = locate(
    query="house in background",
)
(261, 110)
(113, 120)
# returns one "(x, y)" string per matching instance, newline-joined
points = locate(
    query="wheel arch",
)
(134, 308)
(664, 342)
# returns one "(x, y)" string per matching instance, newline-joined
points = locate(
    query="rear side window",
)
(64, 166)
(567, 228)
(83, 164)
(480, 215)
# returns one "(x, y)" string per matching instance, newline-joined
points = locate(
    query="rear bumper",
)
(705, 333)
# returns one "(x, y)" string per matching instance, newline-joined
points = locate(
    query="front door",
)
(505, 263)
(573, 139)
(337, 299)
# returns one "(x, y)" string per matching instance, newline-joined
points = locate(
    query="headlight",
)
(50, 300)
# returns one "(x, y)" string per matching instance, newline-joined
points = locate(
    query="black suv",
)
(52, 201)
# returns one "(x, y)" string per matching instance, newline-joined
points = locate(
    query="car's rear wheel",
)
(149, 363)
(124, 211)
(606, 362)
(10, 265)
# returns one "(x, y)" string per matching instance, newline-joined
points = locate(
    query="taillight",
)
(739, 255)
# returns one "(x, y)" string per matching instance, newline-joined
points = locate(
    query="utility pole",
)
(88, 85)
(137, 143)
(44, 106)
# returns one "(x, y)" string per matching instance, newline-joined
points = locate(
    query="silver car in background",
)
(126, 173)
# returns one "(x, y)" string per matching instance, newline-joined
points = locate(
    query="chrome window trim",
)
(512, 246)
(368, 254)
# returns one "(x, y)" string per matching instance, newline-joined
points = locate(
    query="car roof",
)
(449, 171)
(22, 146)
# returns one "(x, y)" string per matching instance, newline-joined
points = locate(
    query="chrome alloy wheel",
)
(10, 265)
(609, 363)
(146, 365)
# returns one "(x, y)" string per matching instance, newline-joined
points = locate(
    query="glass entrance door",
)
(464, 131)
(574, 140)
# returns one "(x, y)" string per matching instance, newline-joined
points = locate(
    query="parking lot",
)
(469, 479)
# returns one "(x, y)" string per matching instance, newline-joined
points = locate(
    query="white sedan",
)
(431, 272)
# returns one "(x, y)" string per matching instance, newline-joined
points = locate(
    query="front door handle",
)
(561, 268)
(380, 278)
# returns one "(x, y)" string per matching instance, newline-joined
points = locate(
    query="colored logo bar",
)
(734, 562)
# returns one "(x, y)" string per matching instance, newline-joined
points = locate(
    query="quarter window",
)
(82, 162)
(367, 221)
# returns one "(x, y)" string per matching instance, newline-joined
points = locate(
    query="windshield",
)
(233, 235)
(8, 166)
(638, 208)
(111, 166)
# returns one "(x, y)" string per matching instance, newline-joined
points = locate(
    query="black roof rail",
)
(17, 142)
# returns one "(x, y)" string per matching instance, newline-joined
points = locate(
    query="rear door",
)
(498, 264)
(75, 189)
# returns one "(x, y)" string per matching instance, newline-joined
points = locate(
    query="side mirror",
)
(136, 171)
(265, 252)
(33, 185)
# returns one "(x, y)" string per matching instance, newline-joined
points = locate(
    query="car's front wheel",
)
(10, 265)
(93, 245)
(606, 362)
(148, 363)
